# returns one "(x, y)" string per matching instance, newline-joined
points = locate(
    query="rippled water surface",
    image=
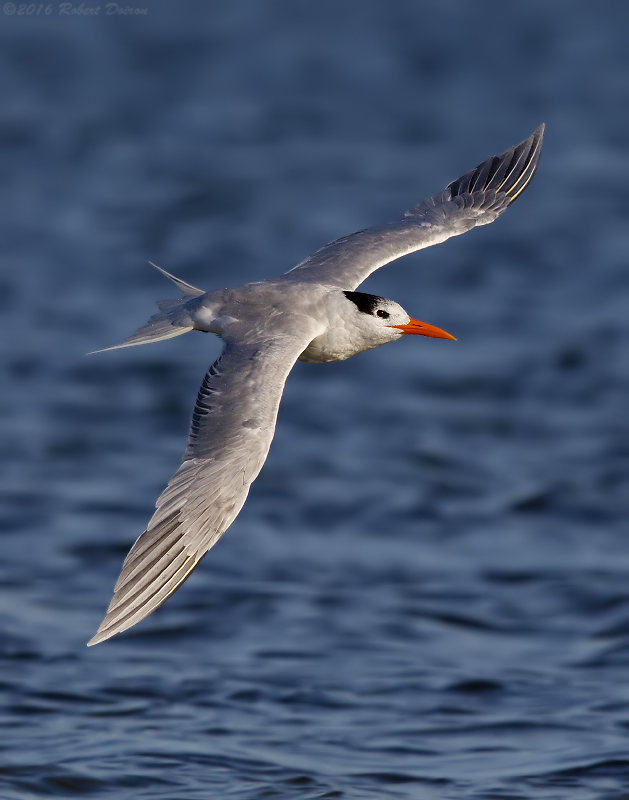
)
(426, 595)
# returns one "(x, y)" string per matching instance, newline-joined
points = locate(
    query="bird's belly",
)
(336, 344)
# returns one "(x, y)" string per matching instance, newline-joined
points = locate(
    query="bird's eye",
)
(383, 314)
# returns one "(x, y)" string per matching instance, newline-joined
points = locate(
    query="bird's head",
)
(384, 320)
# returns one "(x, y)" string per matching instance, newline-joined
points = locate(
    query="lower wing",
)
(232, 428)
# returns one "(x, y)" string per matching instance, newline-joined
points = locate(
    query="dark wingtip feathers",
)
(508, 174)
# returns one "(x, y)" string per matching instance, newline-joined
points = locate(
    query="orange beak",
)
(423, 329)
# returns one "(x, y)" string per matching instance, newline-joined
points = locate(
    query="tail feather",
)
(172, 320)
(186, 289)
(166, 305)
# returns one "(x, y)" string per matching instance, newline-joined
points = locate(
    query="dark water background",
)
(427, 593)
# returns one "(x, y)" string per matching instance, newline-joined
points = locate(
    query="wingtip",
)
(534, 142)
(98, 638)
(538, 134)
(104, 632)
(519, 164)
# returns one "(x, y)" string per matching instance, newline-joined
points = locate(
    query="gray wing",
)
(477, 198)
(232, 428)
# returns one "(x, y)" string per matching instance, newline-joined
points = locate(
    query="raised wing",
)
(232, 428)
(474, 199)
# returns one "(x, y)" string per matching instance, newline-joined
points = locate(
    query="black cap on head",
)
(366, 303)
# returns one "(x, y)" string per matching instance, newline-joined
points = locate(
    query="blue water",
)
(427, 593)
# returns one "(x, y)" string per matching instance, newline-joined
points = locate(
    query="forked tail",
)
(173, 318)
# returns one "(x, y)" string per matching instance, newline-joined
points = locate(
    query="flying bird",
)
(312, 313)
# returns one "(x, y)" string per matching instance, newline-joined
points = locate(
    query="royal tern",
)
(312, 313)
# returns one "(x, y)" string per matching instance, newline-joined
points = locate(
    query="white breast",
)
(336, 344)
